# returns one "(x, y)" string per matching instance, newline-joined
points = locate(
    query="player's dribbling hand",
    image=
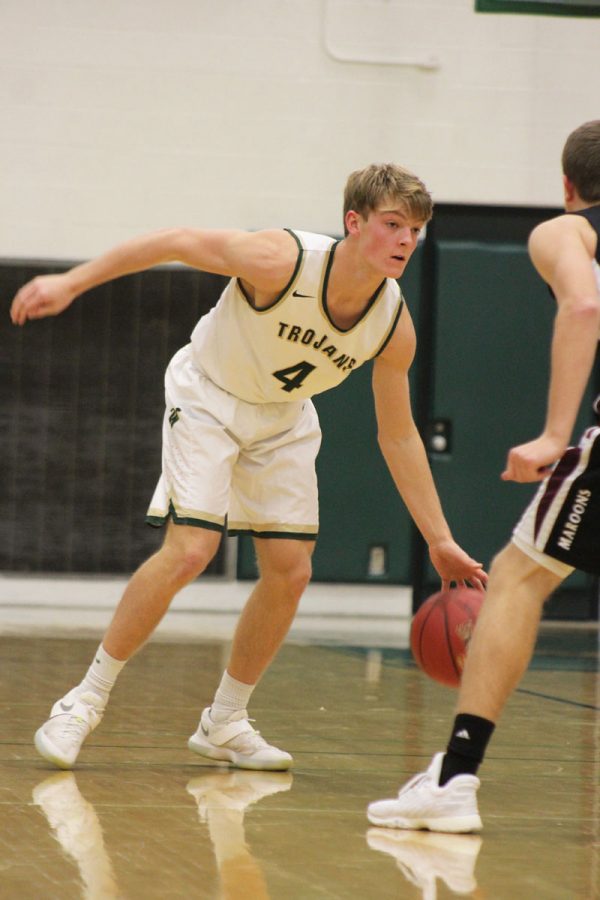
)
(454, 565)
(46, 295)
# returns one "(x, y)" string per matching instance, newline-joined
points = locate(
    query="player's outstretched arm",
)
(263, 259)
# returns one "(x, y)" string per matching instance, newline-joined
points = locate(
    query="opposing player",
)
(301, 312)
(560, 530)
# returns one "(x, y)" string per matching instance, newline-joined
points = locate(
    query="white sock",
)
(231, 696)
(101, 676)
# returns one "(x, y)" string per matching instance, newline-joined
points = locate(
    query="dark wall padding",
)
(81, 407)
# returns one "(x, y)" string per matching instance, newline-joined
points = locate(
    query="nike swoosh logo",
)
(304, 296)
(66, 706)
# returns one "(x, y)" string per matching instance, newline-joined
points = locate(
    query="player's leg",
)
(539, 558)
(282, 502)
(198, 454)
(522, 576)
(444, 797)
(504, 640)
(224, 731)
(184, 554)
(499, 654)
(285, 571)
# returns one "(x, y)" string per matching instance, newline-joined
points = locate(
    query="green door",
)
(492, 331)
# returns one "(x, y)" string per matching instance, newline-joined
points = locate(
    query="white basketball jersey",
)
(291, 349)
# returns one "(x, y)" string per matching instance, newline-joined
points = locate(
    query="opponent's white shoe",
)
(71, 720)
(423, 857)
(238, 743)
(422, 803)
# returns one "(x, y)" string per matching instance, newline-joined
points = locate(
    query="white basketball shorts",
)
(560, 528)
(249, 467)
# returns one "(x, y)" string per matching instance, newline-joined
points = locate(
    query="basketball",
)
(441, 630)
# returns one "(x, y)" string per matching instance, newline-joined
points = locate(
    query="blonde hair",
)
(581, 160)
(367, 189)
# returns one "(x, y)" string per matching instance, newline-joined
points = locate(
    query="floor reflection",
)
(75, 826)
(223, 799)
(423, 858)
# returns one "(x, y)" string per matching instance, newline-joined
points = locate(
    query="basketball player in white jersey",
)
(241, 435)
(560, 530)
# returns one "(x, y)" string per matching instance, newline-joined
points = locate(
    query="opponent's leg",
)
(184, 554)
(224, 731)
(499, 654)
(504, 639)
(444, 797)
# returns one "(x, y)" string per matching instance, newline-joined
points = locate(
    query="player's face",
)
(388, 238)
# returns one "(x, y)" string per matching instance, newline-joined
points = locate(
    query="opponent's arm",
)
(406, 458)
(263, 259)
(562, 254)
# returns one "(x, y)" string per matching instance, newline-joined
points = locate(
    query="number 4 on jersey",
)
(293, 377)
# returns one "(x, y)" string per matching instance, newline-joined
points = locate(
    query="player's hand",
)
(532, 461)
(454, 565)
(46, 295)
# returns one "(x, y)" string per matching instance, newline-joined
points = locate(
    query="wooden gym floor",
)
(141, 817)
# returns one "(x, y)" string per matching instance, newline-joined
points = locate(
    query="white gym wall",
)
(127, 115)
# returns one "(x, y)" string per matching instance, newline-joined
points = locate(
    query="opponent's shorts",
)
(249, 467)
(560, 529)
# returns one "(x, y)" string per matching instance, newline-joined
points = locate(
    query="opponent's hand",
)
(454, 565)
(532, 461)
(46, 295)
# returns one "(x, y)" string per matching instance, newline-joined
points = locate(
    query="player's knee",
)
(292, 572)
(190, 553)
(301, 573)
(514, 572)
(194, 560)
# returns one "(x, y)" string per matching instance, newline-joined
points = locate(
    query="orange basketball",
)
(441, 630)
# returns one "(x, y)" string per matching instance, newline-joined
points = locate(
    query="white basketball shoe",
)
(72, 719)
(422, 803)
(238, 743)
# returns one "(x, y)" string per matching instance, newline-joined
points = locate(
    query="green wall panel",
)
(493, 326)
